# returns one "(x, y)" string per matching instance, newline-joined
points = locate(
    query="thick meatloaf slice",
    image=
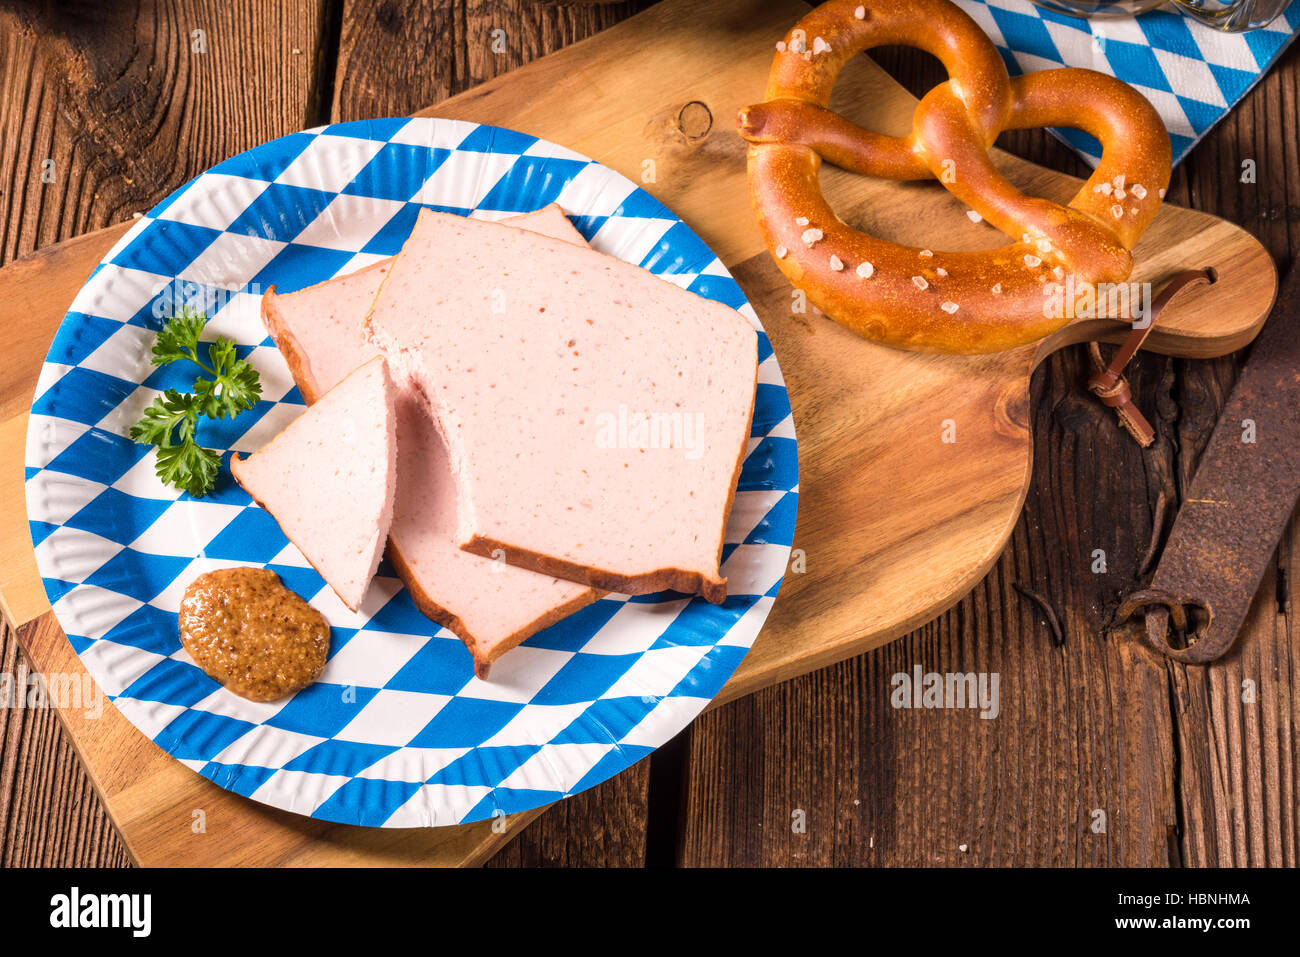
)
(330, 479)
(488, 604)
(596, 415)
(318, 329)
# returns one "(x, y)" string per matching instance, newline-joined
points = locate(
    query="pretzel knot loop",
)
(913, 298)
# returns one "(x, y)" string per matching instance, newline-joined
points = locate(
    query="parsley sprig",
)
(172, 420)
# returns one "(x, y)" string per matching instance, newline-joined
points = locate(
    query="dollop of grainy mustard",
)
(252, 634)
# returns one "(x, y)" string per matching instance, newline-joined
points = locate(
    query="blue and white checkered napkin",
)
(1191, 73)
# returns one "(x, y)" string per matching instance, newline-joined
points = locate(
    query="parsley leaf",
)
(241, 387)
(235, 388)
(188, 466)
(171, 421)
(179, 339)
(165, 414)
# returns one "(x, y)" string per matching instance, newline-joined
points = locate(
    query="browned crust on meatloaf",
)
(483, 657)
(740, 458)
(288, 346)
(661, 579)
(294, 355)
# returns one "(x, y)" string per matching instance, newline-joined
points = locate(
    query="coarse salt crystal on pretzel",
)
(1001, 306)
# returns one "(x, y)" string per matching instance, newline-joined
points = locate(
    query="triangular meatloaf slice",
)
(596, 415)
(489, 605)
(329, 479)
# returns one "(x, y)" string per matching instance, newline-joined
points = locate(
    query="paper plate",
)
(398, 732)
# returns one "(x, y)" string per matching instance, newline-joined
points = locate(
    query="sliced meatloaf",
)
(329, 479)
(595, 414)
(488, 604)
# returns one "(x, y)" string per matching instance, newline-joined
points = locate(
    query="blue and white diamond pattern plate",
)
(398, 732)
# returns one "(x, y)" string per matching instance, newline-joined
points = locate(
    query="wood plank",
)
(384, 67)
(1186, 771)
(49, 813)
(119, 98)
(601, 827)
(1239, 760)
(115, 96)
(1082, 728)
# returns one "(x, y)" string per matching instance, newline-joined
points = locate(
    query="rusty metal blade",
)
(1241, 498)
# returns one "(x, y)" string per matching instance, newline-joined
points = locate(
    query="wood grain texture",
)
(49, 813)
(119, 98)
(601, 827)
(1076, 732)
(1186, 772)
(397, 57)
(1079, 731)
(1239, 760)
(105, 108)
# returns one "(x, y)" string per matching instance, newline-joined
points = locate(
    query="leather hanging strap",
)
(1107, 381)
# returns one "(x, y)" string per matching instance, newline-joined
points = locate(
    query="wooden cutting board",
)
(895, 524)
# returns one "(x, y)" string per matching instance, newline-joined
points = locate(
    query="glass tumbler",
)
(1231, 16)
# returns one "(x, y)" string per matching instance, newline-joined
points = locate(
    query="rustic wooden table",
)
(1102, 754)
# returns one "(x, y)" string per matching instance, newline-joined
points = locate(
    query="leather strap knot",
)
(1112, 388)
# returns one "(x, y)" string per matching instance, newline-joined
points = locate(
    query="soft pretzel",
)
(934, 301)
